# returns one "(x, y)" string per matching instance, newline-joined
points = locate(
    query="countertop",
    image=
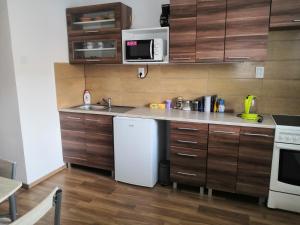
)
(184, 116)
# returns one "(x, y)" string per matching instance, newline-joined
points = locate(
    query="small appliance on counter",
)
(164, 18)
(250, 109)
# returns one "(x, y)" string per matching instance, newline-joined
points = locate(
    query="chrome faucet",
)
(107, 102)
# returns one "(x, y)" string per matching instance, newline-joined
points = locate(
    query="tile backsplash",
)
(278, 92)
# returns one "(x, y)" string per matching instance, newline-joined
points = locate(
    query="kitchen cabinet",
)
(188, 153)
(88, 140)
(183, 24)
(247, 28)
(254, 161)
(285, 14)
(94, 32)
(219, 30)
(211, 17)
(222, 159)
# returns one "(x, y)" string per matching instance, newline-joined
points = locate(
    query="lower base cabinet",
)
(87, 140)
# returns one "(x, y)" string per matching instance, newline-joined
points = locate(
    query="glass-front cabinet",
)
(95, 32)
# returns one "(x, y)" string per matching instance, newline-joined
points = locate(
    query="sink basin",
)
(92, 107)
(114, 109)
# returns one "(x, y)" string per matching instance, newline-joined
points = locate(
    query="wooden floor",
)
(90, 198)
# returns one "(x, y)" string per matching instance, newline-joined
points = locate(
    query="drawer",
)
(72, 121)
(187, 176)
(224, 129)
(98, 124)
(188, 128)
(192, 159)
(188, 141)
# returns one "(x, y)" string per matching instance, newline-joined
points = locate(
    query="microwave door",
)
(139, 50)
(151, 49)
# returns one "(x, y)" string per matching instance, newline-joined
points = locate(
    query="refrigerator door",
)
(136, 151)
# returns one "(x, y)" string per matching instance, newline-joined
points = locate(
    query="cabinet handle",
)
(91, 31)
(258, 135)
(92, 120)
(187, 174)
(238, 58)
(187, 142)
(73, 118)
(223, 132)
(187, 129)
(296, 21)
(209, 58)
(92, 60)
(187, 155)
(186, 58)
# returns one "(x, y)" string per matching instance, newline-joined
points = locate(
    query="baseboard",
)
(28, 186)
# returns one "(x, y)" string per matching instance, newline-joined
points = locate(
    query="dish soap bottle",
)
(86, 97)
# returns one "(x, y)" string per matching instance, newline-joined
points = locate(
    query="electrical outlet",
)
(260, 72)
(141, 72)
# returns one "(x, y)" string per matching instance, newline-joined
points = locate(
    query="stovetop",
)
(285, 120)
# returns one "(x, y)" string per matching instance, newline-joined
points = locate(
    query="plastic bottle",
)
(86, 97)
(221, 106)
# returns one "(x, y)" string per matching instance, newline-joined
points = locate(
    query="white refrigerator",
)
(137, 150)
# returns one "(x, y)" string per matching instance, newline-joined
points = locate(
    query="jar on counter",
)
(186, 105)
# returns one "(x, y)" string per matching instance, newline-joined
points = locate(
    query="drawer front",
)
(188, 141)
(73, 143)
(72, 121)
(186, 176)
(188, 128)
(191, 159)
(98, 124)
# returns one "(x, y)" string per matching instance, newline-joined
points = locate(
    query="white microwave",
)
(150, 50)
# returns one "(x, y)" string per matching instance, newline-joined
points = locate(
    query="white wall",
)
(39, 38)
(145, 13)
(11, 146)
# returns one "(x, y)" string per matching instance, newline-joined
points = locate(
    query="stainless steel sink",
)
(91, 107)
(113, 109)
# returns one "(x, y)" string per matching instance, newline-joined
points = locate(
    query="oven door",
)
(285, 175)
(139, 50)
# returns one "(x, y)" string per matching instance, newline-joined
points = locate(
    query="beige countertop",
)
(184, 116)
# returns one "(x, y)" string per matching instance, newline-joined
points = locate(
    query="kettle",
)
(250, 108)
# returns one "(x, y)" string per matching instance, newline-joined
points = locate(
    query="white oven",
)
(285, 175)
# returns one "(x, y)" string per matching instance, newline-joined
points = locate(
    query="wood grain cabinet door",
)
(211, 15)
(99, 141)
(254, 163)
(285, 14)
(222, 159)
(247, 27)
(73, 138)
(183, 24)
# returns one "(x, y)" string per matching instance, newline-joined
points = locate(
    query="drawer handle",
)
(73, 118)
(92, 120)
(258, 135)
(92, 60)
(238, 58)
(187, 142)
(296, 21)
(223, 132)
(209, 58)
(187, 174)
(187, 129)
(91, 31)
(183, 58)
(187, 155)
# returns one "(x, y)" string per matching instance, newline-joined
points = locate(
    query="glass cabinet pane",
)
(95, 49)
(94, 20)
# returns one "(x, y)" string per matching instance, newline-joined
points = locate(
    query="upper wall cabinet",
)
(247, 28)
(183, 24)
(94, 32)
(285, 14)
(211, 15)
(222, 30)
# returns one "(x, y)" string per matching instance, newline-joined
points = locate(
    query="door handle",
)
(187, 129)
(73, 118)
(223, 132)
(257, 135)
(296, 21)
